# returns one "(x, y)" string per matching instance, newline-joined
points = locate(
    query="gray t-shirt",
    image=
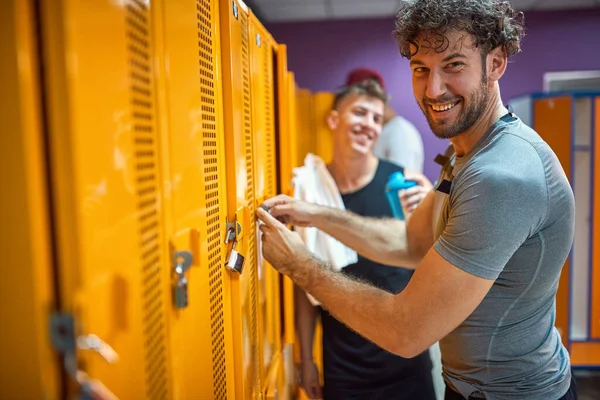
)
(509, 216)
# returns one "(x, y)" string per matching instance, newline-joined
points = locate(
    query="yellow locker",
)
(293, 129)
(29, 367)
(595, 300)
(99, 73)
(245, 310)
(265, 178)
(286, 160)
(322, 105)
(286, 139)
(305, 124)
(188, 37)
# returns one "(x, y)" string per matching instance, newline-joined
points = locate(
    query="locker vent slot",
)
(251, 261)
(142, 109)
(211, 187)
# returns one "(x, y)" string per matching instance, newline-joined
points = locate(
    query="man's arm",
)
(388, 241)
(437, 299)
(306, 320)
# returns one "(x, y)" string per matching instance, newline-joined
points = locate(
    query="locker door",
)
(240, 196)
(195, 199)
(305, 128)
(552, 120)
(265, 177)
(595, 287)
(322, 103)
(28, 364)
(98, 60)
(585, 348)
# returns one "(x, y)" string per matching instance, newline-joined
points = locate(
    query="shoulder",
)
(509, 169)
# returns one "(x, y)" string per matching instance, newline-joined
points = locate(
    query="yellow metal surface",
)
(195, 196)
(322, 105)
(294, 161)
(595, 296)
(98, 59)
(265, 177)
(274, 389)
(305, 130)
(285, 123)
(29, 367)
(235, 48)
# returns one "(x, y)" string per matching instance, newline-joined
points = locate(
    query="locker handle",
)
(188, 238)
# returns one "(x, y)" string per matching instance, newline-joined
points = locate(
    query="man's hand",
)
(292, 211)
(309, 380)
(410, 198)
(282, 248)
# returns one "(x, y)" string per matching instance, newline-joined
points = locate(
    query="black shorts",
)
(570, 395)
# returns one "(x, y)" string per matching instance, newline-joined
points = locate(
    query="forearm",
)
(380, 240)
(306, 320)
(372, 312)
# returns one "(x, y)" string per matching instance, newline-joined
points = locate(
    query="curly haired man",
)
(488, 243)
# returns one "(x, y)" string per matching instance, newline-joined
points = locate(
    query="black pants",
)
(570, 395)
(413, 388)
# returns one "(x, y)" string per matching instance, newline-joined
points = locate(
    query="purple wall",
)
(321, 53)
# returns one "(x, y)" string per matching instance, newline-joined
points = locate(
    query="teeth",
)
(442, 107)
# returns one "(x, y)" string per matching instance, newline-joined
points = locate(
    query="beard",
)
(475, 107)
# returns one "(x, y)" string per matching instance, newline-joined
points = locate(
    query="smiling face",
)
(451, 87)
(356, 123)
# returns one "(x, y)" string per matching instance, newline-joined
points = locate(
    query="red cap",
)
(362, 74)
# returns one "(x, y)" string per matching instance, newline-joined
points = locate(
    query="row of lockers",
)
(141, 136)
(570, 124)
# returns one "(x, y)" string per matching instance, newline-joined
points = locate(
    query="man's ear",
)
(333, 119)
(496, 63)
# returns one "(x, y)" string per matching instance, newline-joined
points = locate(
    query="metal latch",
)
(62, 336)
(182, 261)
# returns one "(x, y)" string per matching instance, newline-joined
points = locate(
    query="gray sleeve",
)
(491, 215)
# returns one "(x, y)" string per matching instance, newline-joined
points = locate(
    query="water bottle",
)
(395, 183)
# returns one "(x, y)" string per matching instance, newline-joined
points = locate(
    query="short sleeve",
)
(491, 214)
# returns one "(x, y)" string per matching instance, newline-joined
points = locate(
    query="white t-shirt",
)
(400, 143)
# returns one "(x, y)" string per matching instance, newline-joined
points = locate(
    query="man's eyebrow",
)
(454, 55)
(416, 62)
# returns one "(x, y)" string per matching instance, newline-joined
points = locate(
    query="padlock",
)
(236, 260)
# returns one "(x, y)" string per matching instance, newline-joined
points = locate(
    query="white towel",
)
(314, 184)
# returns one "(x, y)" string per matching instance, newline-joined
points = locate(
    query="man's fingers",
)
(280, 211)
(417, 177)
(277, 200)
(268, 219)
(405, 193)
(313, 391)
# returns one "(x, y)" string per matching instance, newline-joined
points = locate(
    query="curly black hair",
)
(492, 23)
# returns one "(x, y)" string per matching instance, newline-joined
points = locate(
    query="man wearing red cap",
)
(400, 142)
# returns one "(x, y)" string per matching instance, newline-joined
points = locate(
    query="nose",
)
(435, 85)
